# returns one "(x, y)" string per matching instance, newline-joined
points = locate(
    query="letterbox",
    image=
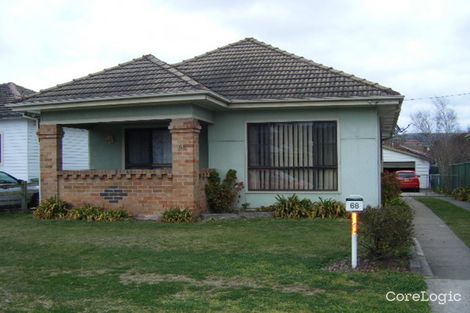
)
(354, 203)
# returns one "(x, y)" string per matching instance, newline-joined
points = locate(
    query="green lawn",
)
(238, 266)
(457, 218)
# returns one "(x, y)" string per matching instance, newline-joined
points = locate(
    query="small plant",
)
(292, 207)
(222, 195)
(245, 206)
(329, 208)
(52, 208)
(387, 232)
(461, 193)
(94, 213)
(177, 215)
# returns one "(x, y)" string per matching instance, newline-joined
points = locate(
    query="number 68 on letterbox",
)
(354, 204)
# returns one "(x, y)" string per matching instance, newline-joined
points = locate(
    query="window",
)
(293, 156)
(148, 148)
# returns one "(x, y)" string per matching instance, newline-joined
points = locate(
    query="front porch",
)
(141, 167)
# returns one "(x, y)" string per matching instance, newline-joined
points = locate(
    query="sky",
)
(419, 48)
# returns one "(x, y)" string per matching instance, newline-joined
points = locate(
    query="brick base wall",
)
(140, 192)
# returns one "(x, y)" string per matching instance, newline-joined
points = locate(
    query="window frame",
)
(338, 190)
(126, 150)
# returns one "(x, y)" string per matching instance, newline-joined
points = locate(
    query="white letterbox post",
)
(354, 204)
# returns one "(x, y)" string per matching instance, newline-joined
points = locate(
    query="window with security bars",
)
(293, 156)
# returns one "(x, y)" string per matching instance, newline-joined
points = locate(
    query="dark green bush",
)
(52, 208)
(222, 195)
(461, 193)
(94, 213)
(177, 215)
(387, 232)
(390, 187)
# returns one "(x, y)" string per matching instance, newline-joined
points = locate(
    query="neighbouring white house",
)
(397, 158)
(19, 146)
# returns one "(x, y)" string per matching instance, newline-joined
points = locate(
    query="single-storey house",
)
(402, 158)
(19, 146)
(284, 123)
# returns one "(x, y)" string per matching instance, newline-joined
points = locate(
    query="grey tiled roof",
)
(143, 76)
(10, 92)
(252, 70)
(248, 70)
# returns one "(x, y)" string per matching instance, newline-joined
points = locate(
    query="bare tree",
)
(437, 130)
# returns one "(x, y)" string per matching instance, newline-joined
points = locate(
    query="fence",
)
(459, 176)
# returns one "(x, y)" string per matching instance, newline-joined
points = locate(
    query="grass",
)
(456, 218)
(233, 266)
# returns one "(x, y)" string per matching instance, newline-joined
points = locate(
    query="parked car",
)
(10, 191)
(408, 180)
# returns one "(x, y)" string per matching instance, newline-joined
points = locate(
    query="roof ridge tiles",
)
(211, 51)
(147, 57)
(329, 68)
(175, 71)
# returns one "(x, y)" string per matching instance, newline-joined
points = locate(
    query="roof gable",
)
(252, 70)
(407, 151)
(9, 93)
(143, 76)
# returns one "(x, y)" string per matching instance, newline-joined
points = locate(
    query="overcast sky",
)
(419, 48)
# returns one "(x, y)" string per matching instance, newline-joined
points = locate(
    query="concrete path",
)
(448, 258)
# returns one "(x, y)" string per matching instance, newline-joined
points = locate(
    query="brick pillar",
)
(185, 167)
(50, 145)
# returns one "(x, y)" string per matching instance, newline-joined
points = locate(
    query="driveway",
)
(448, 258)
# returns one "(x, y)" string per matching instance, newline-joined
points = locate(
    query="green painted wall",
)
(358, 158)
(105, 155)
(123, 114)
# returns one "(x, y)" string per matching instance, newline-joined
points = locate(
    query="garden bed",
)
(235, 216)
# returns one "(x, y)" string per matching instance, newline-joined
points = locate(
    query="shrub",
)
(292, 207)
(177, 215)
(390, 187)
(461, 193)
(387, 232)
(329, 208)
(94, 213)
(52, 208)
(222, 196)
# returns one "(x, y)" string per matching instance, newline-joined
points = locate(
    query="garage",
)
(396, 159)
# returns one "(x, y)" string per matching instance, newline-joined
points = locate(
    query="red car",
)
(408, 180)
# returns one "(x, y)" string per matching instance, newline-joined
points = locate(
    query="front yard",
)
(238, 266)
